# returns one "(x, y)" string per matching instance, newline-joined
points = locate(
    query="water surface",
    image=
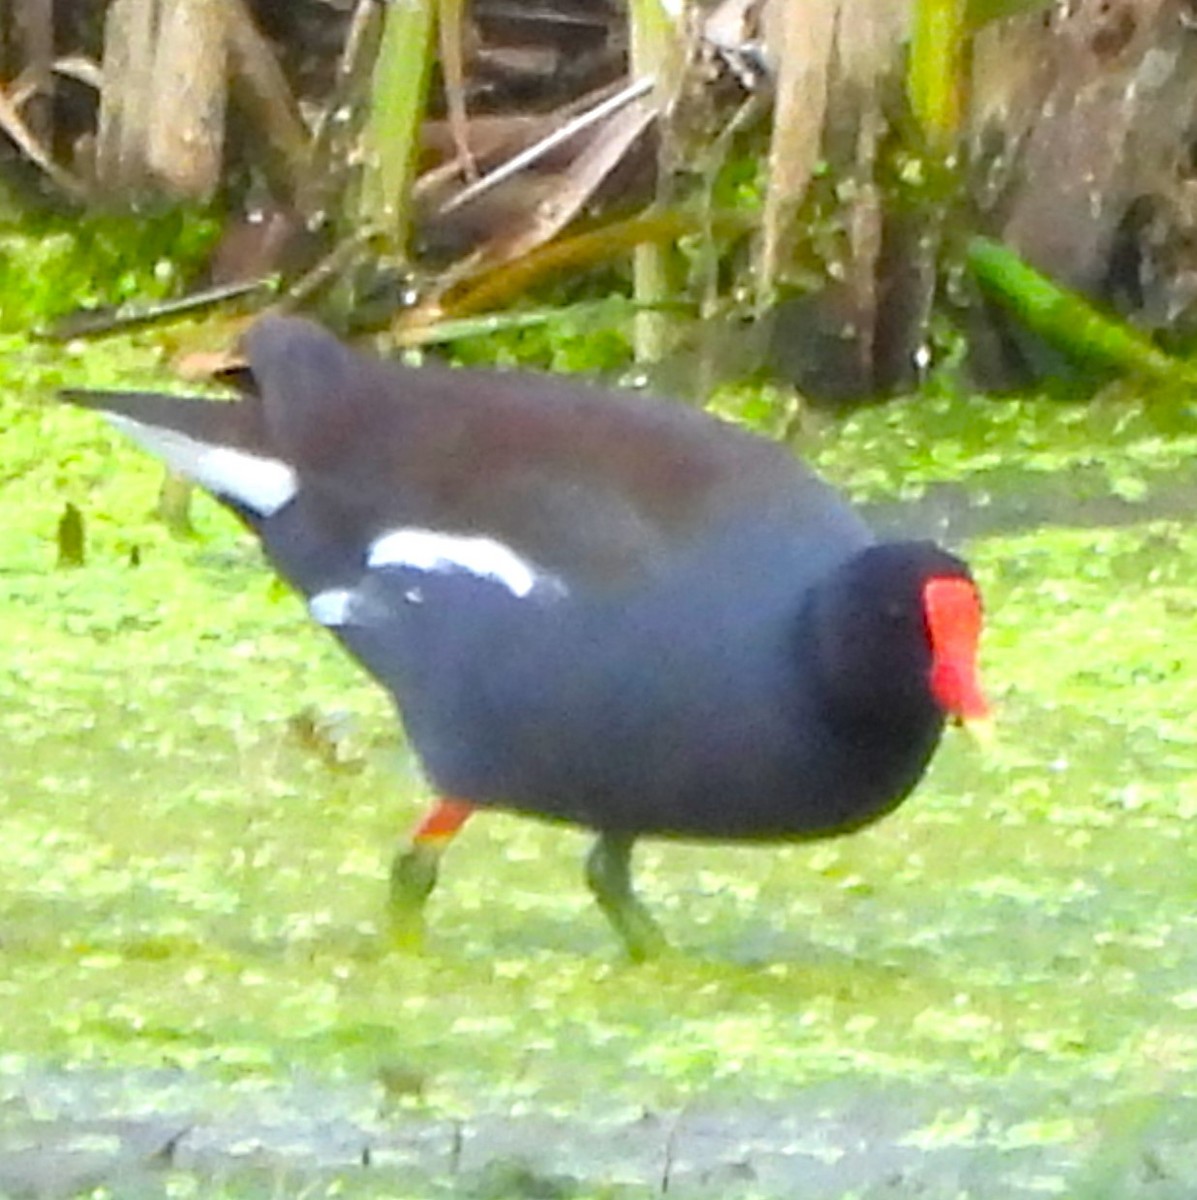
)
(990, 994)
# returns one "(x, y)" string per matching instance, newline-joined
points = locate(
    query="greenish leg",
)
(608, 872)
(414, 870)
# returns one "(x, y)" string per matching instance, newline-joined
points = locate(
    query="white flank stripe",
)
(263, 485)
(427, 550)
(332, 608)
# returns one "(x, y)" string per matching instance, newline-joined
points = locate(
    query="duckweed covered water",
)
(993, 993)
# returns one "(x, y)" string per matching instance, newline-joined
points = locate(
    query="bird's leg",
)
(414, 868)
(608, 872)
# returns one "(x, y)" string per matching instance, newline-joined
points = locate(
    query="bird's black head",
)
(895, 634)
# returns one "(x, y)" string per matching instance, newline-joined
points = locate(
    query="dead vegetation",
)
(795, 180)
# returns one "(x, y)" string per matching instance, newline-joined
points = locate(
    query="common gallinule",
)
(602, 608)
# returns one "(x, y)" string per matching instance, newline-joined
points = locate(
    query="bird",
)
(596, 607)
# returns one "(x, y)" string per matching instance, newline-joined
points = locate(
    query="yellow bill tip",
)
(981, 730)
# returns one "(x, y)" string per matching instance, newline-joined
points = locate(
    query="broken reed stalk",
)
(397, 102)
(935, 72)
(655, 54)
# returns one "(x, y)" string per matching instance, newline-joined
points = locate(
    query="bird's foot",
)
(608, 872)
(641, 935)
(413, 876)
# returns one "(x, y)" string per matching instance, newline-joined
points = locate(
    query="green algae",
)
(200, 796)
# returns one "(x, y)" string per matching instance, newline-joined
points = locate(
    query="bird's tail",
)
(221, 446)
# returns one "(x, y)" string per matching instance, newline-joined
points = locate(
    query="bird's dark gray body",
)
(628, 629)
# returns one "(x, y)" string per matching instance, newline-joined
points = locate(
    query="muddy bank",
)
(64, 1134)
